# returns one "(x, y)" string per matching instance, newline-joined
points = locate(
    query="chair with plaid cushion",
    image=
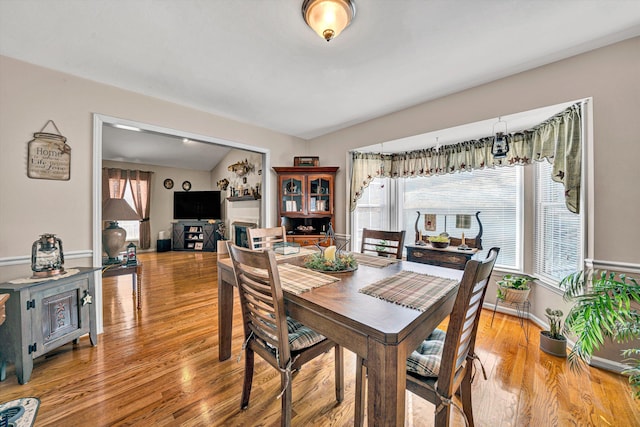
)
(442, 364)
(264, 238)
(387, 243)
(283, 342)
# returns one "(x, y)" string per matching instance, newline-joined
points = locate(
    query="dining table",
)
(382, 332)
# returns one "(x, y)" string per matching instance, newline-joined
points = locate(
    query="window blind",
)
(496, 193)
(558, 232)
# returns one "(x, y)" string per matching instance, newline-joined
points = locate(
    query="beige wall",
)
(609, 75)
(162, 199)
(31, 95)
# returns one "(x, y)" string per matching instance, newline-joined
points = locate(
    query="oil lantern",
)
(46, 256)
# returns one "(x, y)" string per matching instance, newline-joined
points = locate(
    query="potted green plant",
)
(605, 306)
(552, 341)
(381, 248)
(514, 288)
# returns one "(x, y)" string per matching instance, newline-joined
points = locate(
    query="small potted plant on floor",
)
(552, 341)
(514, 288)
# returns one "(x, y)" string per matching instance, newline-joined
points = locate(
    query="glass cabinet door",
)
(319, 194)
(292, 194)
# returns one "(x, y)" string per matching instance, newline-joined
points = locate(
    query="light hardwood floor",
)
(159, 366)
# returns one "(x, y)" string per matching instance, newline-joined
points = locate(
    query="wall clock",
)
(168, 183)
(186, 186)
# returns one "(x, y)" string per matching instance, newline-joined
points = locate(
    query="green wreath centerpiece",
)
(341, 263)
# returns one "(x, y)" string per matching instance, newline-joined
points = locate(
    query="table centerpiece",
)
(330, 261)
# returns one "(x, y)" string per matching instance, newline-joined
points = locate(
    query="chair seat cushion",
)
(425, 360)
(301, 336)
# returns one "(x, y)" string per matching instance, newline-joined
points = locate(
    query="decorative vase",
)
(555, 347)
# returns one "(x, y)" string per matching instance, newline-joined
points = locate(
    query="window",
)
(499, 195)
(131, 227)
(558, 232)
(373, 209)
(496, 193)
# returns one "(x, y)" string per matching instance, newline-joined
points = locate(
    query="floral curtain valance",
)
(557, 139)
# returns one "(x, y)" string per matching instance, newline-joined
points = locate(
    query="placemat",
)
(373, 261)
(410, 289)
(297, 280)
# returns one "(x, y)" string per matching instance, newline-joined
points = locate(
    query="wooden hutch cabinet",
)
(306, 201)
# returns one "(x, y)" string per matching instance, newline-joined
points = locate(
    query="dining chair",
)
(264, 238)
(388, 243)
(283, 342)
(442, 364)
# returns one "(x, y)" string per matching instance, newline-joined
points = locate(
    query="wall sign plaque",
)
(49, 156)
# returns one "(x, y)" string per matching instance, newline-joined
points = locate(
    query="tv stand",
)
(196, 235)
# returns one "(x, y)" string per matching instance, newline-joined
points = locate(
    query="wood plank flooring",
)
(159, 367)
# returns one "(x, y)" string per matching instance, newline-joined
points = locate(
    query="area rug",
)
(19, 413)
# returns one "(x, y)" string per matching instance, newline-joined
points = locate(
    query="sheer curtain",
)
(113, 183)
(140, 183)
(557, 139)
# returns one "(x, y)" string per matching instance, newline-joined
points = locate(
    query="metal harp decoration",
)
(331, 239)
(477, 239)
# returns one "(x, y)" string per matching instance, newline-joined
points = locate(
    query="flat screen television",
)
(199, 205)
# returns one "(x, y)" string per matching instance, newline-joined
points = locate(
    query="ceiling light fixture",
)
(127, 127)
(328, 17)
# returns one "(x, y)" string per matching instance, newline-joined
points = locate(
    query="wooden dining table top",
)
(382, 333)
(342, 300)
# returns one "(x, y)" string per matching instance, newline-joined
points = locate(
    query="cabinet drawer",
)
(439, 258)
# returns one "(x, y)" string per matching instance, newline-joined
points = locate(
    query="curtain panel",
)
(113, 183)
(557, 139)
(140, 183)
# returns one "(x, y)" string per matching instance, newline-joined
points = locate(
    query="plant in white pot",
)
(514, 288)
(552, 341)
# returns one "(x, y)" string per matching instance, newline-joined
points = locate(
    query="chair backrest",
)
(383, 242)
(261, 299)
(264, 238)
(463, 322)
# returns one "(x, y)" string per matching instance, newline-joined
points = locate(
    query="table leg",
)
(225, 317)
(139, 285)
(387, 379)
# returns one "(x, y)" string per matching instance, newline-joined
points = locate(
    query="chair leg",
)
(358, 418)
(248, 377)
(443, 416)
(339, 362)
(285, 384)
(465, 396)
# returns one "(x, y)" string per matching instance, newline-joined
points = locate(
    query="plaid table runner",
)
(373, 261)
(410, 289)
(297, 280)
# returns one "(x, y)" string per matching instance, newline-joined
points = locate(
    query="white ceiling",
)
(258, 62)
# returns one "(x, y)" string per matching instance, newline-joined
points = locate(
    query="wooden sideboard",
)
(44, 315)
(450, 257)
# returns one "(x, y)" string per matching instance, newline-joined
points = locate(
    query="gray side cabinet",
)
(44, 315)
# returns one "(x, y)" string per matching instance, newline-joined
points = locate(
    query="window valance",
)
(557, 139)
